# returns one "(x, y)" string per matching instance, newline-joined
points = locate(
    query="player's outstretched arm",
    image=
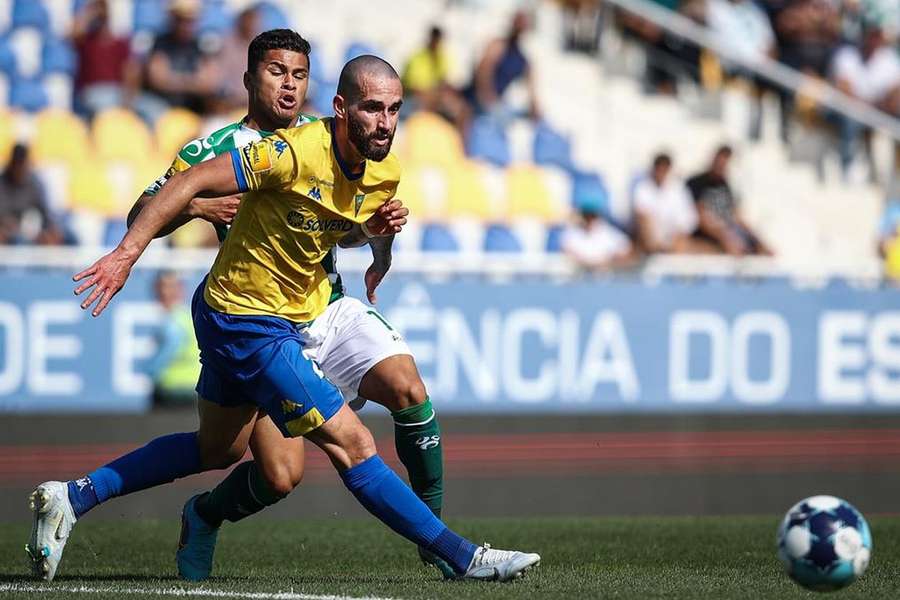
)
(218, 211)
(107, 276)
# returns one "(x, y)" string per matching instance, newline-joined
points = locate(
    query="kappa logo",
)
(315, 193)
(280, 146)
(289, 406)
(83, 482)
(428, 442)
(358, 202)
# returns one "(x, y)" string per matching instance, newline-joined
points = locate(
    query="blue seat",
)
(358, 49)
(150, 16)
(437, 238)
(499, 238)
(114, 231)
(272, 17)
(30, 13)
(215, 18)
(317, 71)
(322, 95)
(487, 141)
(58, 56)
(589, 191)
(7, 57)
(27, 94)
(554, 238)
(551, 148)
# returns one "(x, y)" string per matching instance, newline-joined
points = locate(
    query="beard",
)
(365, 143)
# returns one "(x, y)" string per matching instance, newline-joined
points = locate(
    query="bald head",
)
(356, 71)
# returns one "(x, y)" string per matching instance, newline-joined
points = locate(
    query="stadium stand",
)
(519, 178)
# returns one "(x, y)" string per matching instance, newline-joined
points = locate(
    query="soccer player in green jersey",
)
(355, 347)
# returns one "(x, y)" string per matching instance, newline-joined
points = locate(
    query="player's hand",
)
(388, 219)
(218, 211)
(373, 278)
(106, 277)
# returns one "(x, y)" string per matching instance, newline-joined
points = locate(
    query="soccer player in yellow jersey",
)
(307, 186)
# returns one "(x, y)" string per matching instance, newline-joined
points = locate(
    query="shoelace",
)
(488, 556)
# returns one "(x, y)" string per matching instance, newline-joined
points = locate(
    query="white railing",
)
(495, 265)
(785, 76)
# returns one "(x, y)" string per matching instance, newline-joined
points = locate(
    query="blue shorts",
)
(259, 360)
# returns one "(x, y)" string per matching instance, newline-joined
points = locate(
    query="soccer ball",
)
(824, 543)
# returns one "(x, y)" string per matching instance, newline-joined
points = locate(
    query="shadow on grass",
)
(28, 579)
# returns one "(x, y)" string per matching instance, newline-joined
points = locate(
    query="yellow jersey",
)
(300, 199)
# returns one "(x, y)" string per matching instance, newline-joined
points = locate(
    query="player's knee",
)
(407, 392)
(284, 478)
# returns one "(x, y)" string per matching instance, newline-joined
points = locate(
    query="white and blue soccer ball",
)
(824, 543)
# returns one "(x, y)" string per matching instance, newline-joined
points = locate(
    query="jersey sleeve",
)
(269, 164)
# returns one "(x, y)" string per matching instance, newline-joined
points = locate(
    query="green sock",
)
(417, 437)
(243, 493)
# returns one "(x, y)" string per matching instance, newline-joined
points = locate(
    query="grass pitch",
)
(639, 558)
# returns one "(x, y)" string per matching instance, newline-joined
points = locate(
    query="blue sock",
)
(385, 495)
(163, 460)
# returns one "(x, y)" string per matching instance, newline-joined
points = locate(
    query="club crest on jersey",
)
(258, 158)
(358, 202)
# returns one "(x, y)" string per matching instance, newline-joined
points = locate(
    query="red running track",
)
(498, 456)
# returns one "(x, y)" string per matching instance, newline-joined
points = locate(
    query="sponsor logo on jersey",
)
(298, 221)
(358, 202)
(258, 158)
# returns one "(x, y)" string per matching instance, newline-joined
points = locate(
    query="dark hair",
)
(662, 160)
(274, 39)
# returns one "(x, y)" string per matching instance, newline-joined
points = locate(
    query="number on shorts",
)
(380, 318)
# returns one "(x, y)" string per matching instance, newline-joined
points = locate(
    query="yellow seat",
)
(120, 134)
(91, 189)
(467, 196)
(411, 192)
(430, 140)
(59, 136)
(149, 170)
(7, 134)
(174, 129)
(527, 195)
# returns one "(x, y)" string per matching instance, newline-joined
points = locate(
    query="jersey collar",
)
(345, 169)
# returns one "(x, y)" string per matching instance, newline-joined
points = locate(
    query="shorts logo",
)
(428, 442)
(280, 146)
(258, 158)
(289, 406)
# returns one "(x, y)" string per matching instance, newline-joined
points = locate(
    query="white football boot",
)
(500, 565)
(53, 521)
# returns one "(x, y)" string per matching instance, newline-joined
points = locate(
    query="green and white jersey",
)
(235, 135)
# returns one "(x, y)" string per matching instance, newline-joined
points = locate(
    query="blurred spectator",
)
(869, 71)
(582, 22)
(178, 72)
(503, 63)
(425, 82)
(24, 217)
(721, 228)
(669, 57)
(593, 244)
(666, 215)
(743, 27)
(807, 33)
(105, 76)
(232, 60)
(175, 366)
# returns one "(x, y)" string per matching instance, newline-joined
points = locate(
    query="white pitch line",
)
(174, 591)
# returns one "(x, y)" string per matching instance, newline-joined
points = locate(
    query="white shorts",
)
(347, 340)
